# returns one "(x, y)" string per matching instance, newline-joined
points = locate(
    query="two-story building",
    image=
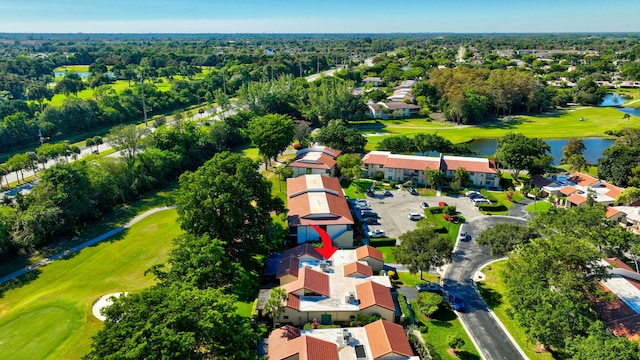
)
(319, 160)
(403, 168)
(318, 200)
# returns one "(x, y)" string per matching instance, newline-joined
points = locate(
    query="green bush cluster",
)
(377, 242)
(492, 207)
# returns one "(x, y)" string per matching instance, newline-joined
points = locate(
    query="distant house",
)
(316, 160)
(318, 200)
(576, 188)
(392, 110)
(373, 81)
(377, 340)
(402, 168)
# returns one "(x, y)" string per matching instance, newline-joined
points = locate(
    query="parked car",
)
(456, 301)
(478, 201)
(424, 205)
(362, 206)
(377, 233)
(428, 287)
(412, 191)
(442, 203)
(387, 193)
(415, 216)
(463, 235)
(472, 194)
(369, 214)
(370, 221)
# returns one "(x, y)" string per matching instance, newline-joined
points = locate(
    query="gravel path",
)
(77, 248)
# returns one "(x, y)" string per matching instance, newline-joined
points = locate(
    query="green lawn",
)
(492, 289)
(387, 253)
(74, 68)
(411, 280)
(540, 206)
(563, 124)
(356, 189)
(441, 324)
(49, 316)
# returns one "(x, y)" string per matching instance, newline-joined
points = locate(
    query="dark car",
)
(369, 214)
(387, 193)
(424, 205)
(370, 221)
(428, 287)
(456, 301)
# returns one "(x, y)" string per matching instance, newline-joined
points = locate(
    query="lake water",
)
(82, 74)
(612, 100)
(593, 151)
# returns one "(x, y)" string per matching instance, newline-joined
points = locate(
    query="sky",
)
(323, 16)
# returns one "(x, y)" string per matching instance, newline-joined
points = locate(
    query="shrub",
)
(492, 207)
(429, 302)
(455, 341)
(377, 242)
(379, 175)
(406, 313)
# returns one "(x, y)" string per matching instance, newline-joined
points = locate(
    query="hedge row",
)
(377, 242)
(492, 207)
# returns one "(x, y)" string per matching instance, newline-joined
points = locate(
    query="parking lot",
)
(394, 210)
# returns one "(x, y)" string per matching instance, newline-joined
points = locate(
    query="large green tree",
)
(229, 200)
(271, 134)
(174, 322)
(502, 238)
(341, 137)
(350, 165)
(518, 152)
(422, 248)
(599, 344)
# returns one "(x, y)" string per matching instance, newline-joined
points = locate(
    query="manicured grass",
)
(244, 308)
(411, 280)
(559, 125)
(49, 316)
(70, 68)
(442, 324)
(250, 152)
(492, 289)
(387, 253)
(540, 206)
(357, 188)
(438, 221)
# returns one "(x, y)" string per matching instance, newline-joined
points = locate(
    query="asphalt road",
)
(492, 341)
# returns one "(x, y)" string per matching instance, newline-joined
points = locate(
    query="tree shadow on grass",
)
(490, 296)
(19, 281)
(465, 355)
(505, 124)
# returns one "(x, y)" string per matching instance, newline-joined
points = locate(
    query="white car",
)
(415, 216)
(478, 201)
(463, 235)
(377, 233)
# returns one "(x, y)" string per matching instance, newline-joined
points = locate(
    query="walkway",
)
(519, 209)
(77, 248)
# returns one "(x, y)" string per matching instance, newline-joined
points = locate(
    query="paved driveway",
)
(394, 210)
(492, 341)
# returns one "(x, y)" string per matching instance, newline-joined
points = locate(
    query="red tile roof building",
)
(402, 168)
(378, 340)
(316, 160)
(319, 200)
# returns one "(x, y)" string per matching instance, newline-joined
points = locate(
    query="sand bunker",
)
(104, 302)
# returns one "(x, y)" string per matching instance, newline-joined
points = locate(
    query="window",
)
(328, 171)
(352, 317)
(286, 317)
(349, 227)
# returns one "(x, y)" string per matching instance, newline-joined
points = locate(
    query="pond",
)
(612, 100)
(82, 74)
(593, 152)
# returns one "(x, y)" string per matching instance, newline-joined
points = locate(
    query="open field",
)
(49, 317)
(492, 290)
(74, 68)
(585, 122)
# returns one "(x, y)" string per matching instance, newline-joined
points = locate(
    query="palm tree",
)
(577, 162)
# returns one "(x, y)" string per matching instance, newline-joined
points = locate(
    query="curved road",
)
(77, 248)
(491, 339)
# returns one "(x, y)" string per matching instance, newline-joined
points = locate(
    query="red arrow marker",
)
(327, 250)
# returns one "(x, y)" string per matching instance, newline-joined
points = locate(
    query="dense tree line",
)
(422, 143)
(72, 195)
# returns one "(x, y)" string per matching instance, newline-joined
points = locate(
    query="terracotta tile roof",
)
(576, 199)
(371, 294)
(284, 344)
(366, 251)
(301, 250)
(309, 280)
(293, 301)
(357, 268)
(387, 339)
(471, 164)
(617, 263)
(614, 191)
(409, 162)
(581, 179)
(568, 190)
(375, 157)
(321, 157)
(611, 212)
(317, 199)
